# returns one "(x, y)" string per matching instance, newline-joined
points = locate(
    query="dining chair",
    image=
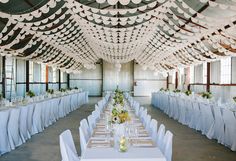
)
(91, 122)
(85, 127)
(147, 121)
(83, 140)
(153, 129)
(206, 118)
(167, 145)
(160, 136)
(217, 129)
(13, 128)
(67, 147)
(230, 129)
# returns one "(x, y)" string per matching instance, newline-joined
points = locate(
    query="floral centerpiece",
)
(30, 94)
(166, 90)
(119, 115)
(188, 92)
(234, 98)
(176, 91)
(76, 88)
(207, 95)
(62, 90)
(118, 98)
(162, 89)
(50, 91)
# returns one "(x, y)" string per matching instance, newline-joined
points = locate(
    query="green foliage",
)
(30, 94)
(176, 91)
(162, 89)
(207, 95)
(50, 91)
(234, 98)
(188, 92)
(62, 90)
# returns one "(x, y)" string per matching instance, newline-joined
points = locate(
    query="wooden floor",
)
(189, 145)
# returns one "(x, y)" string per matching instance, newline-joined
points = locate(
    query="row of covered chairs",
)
(18, 124)
(210, 118)
(67, 146)
(162, 138)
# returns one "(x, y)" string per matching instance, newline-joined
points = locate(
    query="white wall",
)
(88, 80)
(112, 78)
(146, 82)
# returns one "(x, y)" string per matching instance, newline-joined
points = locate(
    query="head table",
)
(101, 146)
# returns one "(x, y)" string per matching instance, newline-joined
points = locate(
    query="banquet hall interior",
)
(117, 80)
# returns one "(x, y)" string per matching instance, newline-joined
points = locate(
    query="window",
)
(173, 77)
(31, 71)
(204, 73)
(43, 73)
(62, 76)
(191, 75)
(225, 71)
(54, 75)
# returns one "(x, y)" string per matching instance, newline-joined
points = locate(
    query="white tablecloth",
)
(213, 120)
(112, 154)
(19, 122)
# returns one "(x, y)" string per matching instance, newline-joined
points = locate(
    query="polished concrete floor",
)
(188, 144)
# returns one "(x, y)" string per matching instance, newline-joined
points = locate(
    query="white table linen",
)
(214, 120)
(137, 154)
(19, 122)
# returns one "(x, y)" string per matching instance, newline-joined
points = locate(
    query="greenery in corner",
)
(188, 92)
(207, 95)
(234, 98)
(50, 91)
(176, 91)
(30, 93)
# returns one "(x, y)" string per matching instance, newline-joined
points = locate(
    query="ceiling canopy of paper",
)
(158, 34)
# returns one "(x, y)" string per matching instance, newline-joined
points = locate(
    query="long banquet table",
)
(215, 120)
(141, 147)
(19, 122)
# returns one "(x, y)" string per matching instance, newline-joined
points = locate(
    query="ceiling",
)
(162, 35)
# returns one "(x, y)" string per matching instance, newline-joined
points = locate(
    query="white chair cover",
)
(13, 128)
(4, 142)
(37, 119)
(195, 121)
(153, 130)
(160, 135)
(206, 117)
(85, 127)
(230, 128)
(83, 142)
(92, 123)
(67, 147)
(167, 148)
(217, 129)
(30, 118)
(24, 133)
